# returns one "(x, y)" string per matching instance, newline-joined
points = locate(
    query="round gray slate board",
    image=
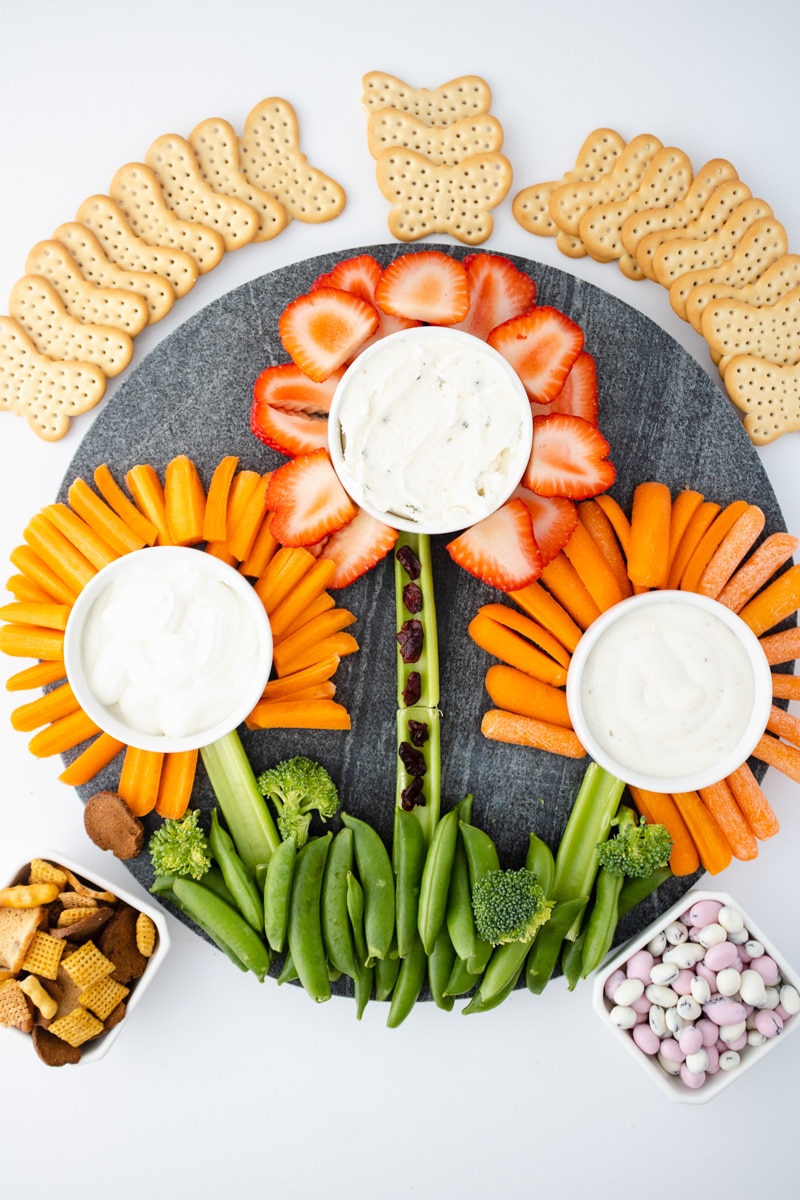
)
(664, 419)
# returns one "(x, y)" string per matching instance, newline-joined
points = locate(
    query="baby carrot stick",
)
(780, 755)
(501, 726)
(288, 685)
(784, 724)
(341, 644)
(595, 521)
(139, 779)
(516, 692)
(148, 494)
(58, 553)
(648, 550)
(753, 804)
(501, 642)
(618, 519)
(38, 572)
(39, 675)
(215, 524)
(781, 647)
(712, 845)
(707, 546)
(785, 687)
(562, 581)
(44, 613)
(116, 499)
(323, 603)
(32, 641)
(58, 702)
(309, 636)
(730, 552)
(262, 550)
(291, 714)
(698, 523)
(184, 501)
(91, 761)
(778, 600)
(659, 808)
(82, 536)
(102, 518)
(762, 564)
(22, 588)
(593, 570)
(63, 734)
(545, 609)
(683, 506)
(720, 801)
(175, 783)
(245, 526)
(284, 571)
(309, 695)
(311, 585)
(527, 628)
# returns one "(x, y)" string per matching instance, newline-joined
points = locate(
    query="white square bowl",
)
(94, 1050)
(673, 1086)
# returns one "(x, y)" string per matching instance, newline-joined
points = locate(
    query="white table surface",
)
(220, 1083)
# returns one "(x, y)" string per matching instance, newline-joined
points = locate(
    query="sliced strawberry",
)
(497, 292)
(569, 458)
(426, 286)
(357, 547)
(289, 411)
(578, 396)
(324, 328)
(541, 346)
(501, 549)
(307, 500)
(554, 519)
(358, 275)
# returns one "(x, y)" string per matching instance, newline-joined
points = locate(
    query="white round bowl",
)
(380, 366)
(160, 563)
(755, 676)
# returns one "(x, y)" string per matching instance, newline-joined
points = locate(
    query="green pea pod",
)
(162, 886)
(441, 961)
(481, 855)
(288, 970)
(539, 859)
(572, 959)
(213, 914)
(386, 972)
(435, 883)
(602, 921)
(408, 851)
(304, 931)
(461, 979)
(237, 876)
(634, 891)
(546, 948)
(364, 974)
(215, 880)
(337, 933)
(478, 1004)
(410, 982)
(277, 890)
(504, 966)
(377, 880)
(460, 917)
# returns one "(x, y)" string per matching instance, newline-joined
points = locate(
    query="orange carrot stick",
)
(527, 628)
(291, 714)
(618, 519)
(102, 518)
(175, 783)
(310, 585)
(785, 687)
(284, 571)
(58, 702)
(23, 588)
(310, 635)
(562, 581)
(721, 803)
(215, 524)
(116, 499)
(91, 761)
(63, 734)
(546, 610)
(782, 647)
(593, 570)
(707, 546)
(659, 808)
(778, 754)
(39, 675)
(262, 550)
(148, 494)
(139, 779)
(595, 521)
(712, 845)
(514, 691)
(44, 613)
(58, 553)
(32, 641)
(245, 526)
(777, 601)
(308, 695)
(83, 537)
(697, 525)
(184, 501)
(341, 644)
(784, 724)
(288, 685)
(35, 569)
(243, 485)
(501, 726)
(684, 505)
(770, 556)
(501, 642)
(754, 805)
(323, 603)
(648, 550)
(731, 551)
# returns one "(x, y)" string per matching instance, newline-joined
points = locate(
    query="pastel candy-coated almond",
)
(639, 966)
(690, 1040)
(692, 1079)
(728, 981)
(671, 1051)
(724, 1011)
(768, 1023)
(647, 1041)
(704, 912)
(767, 969)
(708, 1031)
(720, 956)
(752, 988)
(612, 983)
(711, 935)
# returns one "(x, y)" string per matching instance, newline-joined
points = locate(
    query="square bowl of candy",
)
(77, 954)
(699, 997)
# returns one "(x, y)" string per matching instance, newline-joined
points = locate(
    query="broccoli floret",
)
(509, 906)
(179, 847)
(298, 787)
(637, 849)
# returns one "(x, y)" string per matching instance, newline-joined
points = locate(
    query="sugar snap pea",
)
(598, 932)
(304, 931)
(461, 979)
(337, 933)
(572, 959)
(408, 854)
(288, 972)
(478, 1005)
(540, 860)
(546, 948)
(162, 886)
(435, 883)
(239, 878)
(634, 891)
(386, 972)
(441, 961)
(481, 855)
(410, 982)
(213, 914)
(277, 890)
(377, 881)
(364, 974)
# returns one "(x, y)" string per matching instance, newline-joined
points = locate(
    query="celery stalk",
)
(249, 821)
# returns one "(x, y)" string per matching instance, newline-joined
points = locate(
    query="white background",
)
(221, 1084)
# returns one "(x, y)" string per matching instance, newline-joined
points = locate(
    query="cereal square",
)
(77, 1027)
(44, 955)
(42, 871)
(103, 996)
(87, 965)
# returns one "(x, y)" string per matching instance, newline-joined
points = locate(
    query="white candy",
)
(628, 992)
(752, 988)
(728, 981)
(739, 938)
(671, 1068)
(688, 1008)
(657, 945)
(664, 973)
(622, 1016)
(657, 1019)
(676, 933)
(660, 994)
(790, 999)
(732, 1033)
(728, 1060)
(772, 998)
(684, 956)
(697, 1062)
(700, 989)
(755, 1037)
(712, 935)
(675, 1022)
(754, 948)
(730, 919)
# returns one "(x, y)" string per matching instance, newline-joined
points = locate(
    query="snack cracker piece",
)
(216, 147)
(44, 392)
(106, 220)
(145, 935)
(764, 243)
(658, 224)
(192, 199)
(83, 300)
(17, 928)
(734, 327)
(446, 145)
(43, 955)
(466, 96)
(77, 1027)
(95, 265)
(42, 871)
(86, 965)
(665, 182)
(103, 996)
(136, 190)
(770, 286)
(768, 394)
(15, 1011)
(431, 199)
(36, 305)
(569, 201)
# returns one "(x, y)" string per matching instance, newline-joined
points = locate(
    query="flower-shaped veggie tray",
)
(663, 417)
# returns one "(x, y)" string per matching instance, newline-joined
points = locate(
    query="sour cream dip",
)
(430, 429)
(168, 648)
(669, 691)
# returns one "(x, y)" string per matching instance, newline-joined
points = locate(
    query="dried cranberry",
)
(409, 561)
(412, 597)
(412, 796)
(409, 639)
(418, 732)
(413, 689)
(412, 759)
